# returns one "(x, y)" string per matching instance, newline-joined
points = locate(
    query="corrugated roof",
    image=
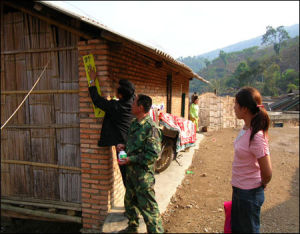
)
(162, 54)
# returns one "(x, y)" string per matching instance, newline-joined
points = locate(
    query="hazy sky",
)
(188, 28)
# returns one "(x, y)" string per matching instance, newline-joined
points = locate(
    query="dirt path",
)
(197, 205)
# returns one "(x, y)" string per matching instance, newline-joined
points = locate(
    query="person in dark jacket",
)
(118, 114)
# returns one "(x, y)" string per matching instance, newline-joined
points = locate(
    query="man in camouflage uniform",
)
(142, 148)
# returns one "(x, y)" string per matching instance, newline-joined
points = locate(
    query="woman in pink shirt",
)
(251, 167)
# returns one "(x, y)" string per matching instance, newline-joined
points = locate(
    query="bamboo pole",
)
(41, 213)
(59, 91)
(40, 204)
(48, 165)
(40, 50)
(43, 126)
(36, 200)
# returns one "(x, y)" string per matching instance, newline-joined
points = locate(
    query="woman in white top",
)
(251, 167)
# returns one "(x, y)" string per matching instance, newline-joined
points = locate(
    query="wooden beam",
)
(43, 201)
(11, 214)
(42, 126)
(48, 20)
(39, 50)
(59, 91)
(4, 201)
(41, 213)
(36, 164)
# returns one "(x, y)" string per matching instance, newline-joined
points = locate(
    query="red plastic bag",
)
(227, 208)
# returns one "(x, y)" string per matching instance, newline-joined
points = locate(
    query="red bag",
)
(227, 208)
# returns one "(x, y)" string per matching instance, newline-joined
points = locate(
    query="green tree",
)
(271, 76)
(242, 73)
(276, 37)
(207, 62)
(216, 86)
(250, 51)
(289, 78)
(232, 83)
(255, 70)
(223, 57)
(292, 87)
(248, 72)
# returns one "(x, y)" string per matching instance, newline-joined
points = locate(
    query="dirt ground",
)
(197, 206)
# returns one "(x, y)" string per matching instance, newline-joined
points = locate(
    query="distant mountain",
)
(292, 30)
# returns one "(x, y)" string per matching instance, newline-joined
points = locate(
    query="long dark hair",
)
(194, 98)
(250, 98)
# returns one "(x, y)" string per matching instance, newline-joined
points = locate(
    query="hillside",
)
(261, 67)
(198, 62)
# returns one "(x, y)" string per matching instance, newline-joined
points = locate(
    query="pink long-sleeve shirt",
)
(245, 167)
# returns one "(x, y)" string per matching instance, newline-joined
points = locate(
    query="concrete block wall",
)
(102, 186)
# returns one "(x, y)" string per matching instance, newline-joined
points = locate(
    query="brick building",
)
(55, 162)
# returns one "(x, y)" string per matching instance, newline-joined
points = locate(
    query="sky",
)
(188, 28)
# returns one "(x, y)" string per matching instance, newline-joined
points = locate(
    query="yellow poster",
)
(88, 61)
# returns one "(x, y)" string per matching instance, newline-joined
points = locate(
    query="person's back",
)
(118, 114)
(125, 118)
(116, 122)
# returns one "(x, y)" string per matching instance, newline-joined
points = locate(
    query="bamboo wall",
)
(40, 155)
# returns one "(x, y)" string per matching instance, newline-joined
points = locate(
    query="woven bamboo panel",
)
(217, 112)
(20, 183)
(43, 183)
(17, 143)
(28, 168)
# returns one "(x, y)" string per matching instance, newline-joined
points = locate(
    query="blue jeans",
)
(245, 211)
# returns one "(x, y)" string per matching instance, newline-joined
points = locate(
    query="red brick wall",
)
(96, 162)
(137, 65)
(102, 185)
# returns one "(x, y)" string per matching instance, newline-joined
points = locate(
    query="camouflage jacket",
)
(143, 146)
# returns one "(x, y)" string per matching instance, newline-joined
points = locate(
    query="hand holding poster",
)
(89, 63)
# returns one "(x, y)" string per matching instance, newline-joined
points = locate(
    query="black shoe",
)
(129, 230)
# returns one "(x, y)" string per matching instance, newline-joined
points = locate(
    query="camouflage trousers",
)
(142, 201)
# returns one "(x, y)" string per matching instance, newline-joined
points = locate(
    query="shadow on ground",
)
(9, 225)
(287, 223)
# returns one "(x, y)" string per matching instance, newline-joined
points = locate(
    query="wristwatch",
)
(91, 82)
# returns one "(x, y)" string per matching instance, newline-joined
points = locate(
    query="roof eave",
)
(201, 78)
(160, 53)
